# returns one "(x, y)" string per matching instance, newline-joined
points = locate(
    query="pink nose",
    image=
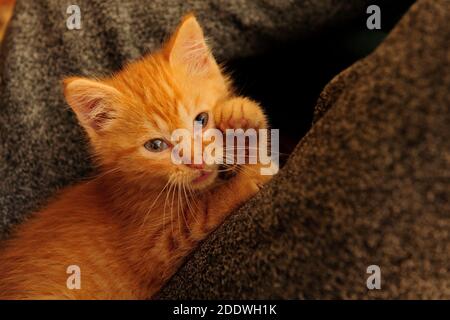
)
(196, 166)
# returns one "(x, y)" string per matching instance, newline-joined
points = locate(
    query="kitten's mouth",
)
(204, 175)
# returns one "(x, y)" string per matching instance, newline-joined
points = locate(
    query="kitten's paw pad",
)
(240, 113)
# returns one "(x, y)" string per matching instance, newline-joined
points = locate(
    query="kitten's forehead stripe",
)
(150, 87)
(184, 115)
(161, 124)
(162, 95)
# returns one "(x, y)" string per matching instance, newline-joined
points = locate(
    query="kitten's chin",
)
(204, 180)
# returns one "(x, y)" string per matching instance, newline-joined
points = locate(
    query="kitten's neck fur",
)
(148, 218)
(137, 202)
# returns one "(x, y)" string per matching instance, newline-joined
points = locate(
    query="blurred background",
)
(295, 73)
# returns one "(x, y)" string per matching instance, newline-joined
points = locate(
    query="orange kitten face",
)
(130, 117)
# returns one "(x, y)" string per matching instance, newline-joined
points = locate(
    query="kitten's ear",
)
(187, 48)
(92, 102)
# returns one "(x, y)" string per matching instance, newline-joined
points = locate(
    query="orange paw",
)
(239, 113)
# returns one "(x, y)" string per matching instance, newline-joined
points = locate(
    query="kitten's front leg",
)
(243, 113)
(223, 200)
(235, 113)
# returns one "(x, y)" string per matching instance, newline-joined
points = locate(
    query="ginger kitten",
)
(129, 228)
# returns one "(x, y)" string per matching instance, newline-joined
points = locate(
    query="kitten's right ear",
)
(92, 101)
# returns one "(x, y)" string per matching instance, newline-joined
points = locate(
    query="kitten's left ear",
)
(187, 48)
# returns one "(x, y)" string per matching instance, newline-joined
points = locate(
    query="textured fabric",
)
(369, 184)
(41, 146)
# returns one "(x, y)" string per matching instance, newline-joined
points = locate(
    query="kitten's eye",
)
(156, 145)
(202, 118)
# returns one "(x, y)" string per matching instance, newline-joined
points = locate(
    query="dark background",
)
(293, 74)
